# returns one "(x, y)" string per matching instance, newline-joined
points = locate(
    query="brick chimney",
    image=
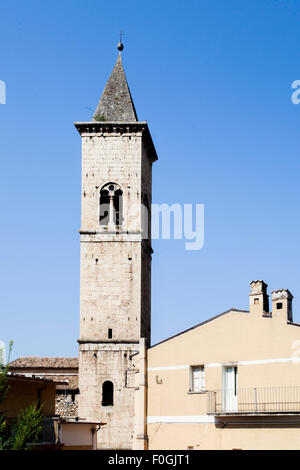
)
(259, 299)
(282, 304)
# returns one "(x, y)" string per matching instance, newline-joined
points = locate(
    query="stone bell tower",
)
(115, 265)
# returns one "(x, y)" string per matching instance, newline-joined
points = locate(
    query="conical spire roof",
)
(116, 102)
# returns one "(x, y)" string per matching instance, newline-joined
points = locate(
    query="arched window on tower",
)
(111, 205)
(118, 207)
(104, 207)
(107, 393)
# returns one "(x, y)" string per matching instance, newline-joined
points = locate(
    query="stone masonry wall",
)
(65, 407)
(114, 282)
(99, 363)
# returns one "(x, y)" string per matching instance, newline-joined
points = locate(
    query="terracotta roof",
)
(71, 379)
(45, 362)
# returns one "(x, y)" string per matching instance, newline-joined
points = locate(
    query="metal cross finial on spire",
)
(121, 45)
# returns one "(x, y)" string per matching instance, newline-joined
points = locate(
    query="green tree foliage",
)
(27, 428)
(5, 437)
(24, 432)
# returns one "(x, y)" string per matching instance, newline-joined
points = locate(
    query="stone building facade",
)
(115, 264)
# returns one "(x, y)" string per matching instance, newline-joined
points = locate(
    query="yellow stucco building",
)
(231, 382)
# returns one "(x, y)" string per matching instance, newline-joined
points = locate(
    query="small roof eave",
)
(34, 379)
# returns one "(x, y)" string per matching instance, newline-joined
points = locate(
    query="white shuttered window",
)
(197, 379)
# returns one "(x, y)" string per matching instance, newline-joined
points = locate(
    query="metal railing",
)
(254, 400)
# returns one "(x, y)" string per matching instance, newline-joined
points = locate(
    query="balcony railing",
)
(254, 400)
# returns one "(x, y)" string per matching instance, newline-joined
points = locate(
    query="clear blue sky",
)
(213, 80)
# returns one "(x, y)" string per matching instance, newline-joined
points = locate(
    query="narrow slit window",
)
(107, 393)
(109, 333)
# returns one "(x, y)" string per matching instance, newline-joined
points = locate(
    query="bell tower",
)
(115, 263)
